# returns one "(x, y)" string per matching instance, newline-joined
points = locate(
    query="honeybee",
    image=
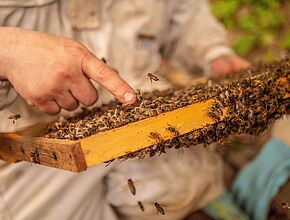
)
(141, 206)
(155, 135)
(14, 117)
(173, 130)
(132, 186)
(34, 156)
(152, 77)
(159, 208)
(139, 95)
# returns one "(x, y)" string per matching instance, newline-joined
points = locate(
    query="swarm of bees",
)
(254, 99)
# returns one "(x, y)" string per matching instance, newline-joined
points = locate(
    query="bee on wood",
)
(155, 135)
(152, 77)
(14, 117)
(131, 186)
(34, 156)
(173, 130)
(159, 208)
(141, 206)
(285, 205)
(214, 116)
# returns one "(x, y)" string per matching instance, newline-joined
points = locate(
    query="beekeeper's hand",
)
(52, 72)
(228, 64)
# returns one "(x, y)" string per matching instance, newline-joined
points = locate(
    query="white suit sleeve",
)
(196, 37)
(7, 94)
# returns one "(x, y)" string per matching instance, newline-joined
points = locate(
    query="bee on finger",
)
(152, 77)
(131, 187)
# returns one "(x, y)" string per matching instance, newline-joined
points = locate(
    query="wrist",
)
(214, 53)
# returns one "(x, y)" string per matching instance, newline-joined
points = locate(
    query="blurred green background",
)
(258, 29)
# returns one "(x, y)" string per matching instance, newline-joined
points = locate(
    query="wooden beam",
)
(132, 137)
(78, 155)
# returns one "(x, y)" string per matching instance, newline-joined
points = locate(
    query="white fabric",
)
(182, 182)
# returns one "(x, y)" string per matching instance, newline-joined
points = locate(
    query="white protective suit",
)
(181, 183)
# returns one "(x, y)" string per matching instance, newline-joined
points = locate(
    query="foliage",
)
(259, 25)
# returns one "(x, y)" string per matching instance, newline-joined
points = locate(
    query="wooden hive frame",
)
(80, 154)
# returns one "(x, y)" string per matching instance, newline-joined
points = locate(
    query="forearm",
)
(201, 38)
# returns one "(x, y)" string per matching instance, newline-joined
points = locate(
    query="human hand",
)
(52, 72)
(228, 64)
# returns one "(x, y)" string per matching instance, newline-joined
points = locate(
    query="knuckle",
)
(55, 90)
(66, 73)
(77, 50)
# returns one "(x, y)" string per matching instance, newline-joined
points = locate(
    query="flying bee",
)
(141, 206)
(159, 208)
(132, 186)
(173, 130)
(14, 117)
(152, 77)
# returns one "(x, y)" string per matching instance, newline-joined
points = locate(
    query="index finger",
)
(108, 78)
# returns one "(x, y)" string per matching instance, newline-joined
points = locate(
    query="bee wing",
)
(125, 187)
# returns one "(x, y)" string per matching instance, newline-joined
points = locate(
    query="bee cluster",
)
(254, 99)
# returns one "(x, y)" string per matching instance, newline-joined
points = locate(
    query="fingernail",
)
(129, 97)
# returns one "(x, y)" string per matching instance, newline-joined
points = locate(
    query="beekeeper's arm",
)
(197, 39)
(52, 73)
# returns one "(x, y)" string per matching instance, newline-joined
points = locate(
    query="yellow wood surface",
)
(132, 137)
